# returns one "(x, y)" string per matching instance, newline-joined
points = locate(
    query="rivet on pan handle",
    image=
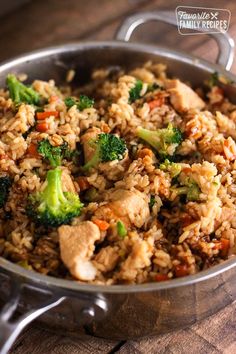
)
(224, 41)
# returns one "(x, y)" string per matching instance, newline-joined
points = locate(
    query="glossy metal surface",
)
(119, 312)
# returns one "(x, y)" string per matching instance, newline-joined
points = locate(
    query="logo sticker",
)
(202, 20)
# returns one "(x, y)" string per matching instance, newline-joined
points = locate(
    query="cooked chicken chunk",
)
(107, 259)
(131, 207)
(182, 97)
(67, 183)
(91, 134)
(77, 247)
(139, 258)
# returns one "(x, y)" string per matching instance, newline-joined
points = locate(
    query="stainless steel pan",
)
(118, 312)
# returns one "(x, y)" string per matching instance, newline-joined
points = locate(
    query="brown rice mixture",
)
(146, 216)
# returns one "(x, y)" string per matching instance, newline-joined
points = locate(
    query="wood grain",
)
(43, 23)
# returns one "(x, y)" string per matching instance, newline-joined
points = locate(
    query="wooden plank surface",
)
(44, 23)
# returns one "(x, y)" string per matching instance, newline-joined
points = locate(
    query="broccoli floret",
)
(54, 154)
(82, 103)
(135, 92)
(5, 184)
(173, 168)
(21, 93)
(190, 189)
(153, 87)
(53, 207)
(165, 140)
(108, 147)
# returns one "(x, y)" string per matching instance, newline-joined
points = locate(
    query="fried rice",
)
(166, 234)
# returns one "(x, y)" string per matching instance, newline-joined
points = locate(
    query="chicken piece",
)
(139, 258)
(131, 207)
(67, 183)
(77, 247)
(107, 259)
(91, 134)
(182, 97)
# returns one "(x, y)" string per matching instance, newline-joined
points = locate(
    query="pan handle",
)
(10, 330)
(224, 41)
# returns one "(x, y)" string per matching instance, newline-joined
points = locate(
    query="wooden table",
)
(43, 23)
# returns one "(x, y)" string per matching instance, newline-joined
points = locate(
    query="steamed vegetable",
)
(53, 207)
(164, 141)
(82, 103)
(21, 93)
(135, 92)
(54, 154)
(108, 147)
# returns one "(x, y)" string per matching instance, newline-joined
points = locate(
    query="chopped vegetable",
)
(53, 207)
(190, 189)
(162, 277)
(157, 102)
(121, 229)
(83, 183)
(46, 114)
(81, 104)
(213, 79)
(152, 201)
(21, 93)
(42, 127)
(173, 168)
(181, 270)
(165, 140)
(102, 224)
(5, 184)
(108, 147)
(33, 150)
(135, 92)
(54, 154)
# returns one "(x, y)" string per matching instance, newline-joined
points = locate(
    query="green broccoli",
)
(173, 168)
(108, 147)
(214, 79)
(135, 92)
(152, 202)
(54, 154)
(165, 140)
(190, 189)
(53, 207)
(21, 93)
(5, 184)
(82, 103)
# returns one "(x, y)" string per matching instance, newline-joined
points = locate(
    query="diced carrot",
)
(53, 99)
(186, 220)
(83, 183)
(42, 127)
(46, 114)
(158, 102)
(32, 150)
(162, 277)
(223, 246)
(229, 148)
(181, 270)
(102, 224)
(145, 152)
